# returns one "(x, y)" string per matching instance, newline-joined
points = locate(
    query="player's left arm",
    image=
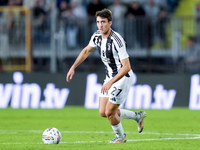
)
(122, 72)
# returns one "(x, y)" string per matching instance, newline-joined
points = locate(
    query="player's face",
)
(103, 25)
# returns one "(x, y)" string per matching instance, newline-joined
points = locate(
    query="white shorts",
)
(118, 92)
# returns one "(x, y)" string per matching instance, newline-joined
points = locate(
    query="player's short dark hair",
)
(105, 13)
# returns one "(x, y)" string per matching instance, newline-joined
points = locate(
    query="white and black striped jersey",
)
(112, 50)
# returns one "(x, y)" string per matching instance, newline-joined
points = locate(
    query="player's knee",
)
(102, 114)
(108, 114)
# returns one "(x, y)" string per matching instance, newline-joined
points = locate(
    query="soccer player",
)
(119, 76)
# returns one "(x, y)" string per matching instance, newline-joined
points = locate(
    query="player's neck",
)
(105, 36)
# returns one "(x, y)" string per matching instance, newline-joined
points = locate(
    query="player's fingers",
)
(102, 90)
(107, 92)
(69, 77)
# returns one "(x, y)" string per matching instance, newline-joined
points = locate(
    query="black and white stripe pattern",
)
(118, 40)
(111, 50)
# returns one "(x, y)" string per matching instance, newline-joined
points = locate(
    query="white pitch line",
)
(94, 132)
(195, 136)
(137, 140)
(16, 143)
(131, 140)
(160, 139)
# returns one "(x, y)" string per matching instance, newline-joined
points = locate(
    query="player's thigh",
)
(102, 106)
(111, 108)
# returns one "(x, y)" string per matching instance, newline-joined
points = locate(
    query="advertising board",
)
(148, 91)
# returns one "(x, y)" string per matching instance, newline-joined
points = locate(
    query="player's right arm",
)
(81, 57)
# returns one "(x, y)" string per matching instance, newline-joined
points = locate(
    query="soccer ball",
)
(51, 136)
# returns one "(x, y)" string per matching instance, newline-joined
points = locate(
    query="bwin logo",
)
(27, 95)
(140, 95)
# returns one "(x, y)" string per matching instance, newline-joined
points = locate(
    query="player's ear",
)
(110, 22)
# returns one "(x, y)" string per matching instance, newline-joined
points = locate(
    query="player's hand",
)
(106, 87)
(70, 74)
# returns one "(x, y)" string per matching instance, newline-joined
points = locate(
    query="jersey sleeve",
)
(120, 45)
(92, 41)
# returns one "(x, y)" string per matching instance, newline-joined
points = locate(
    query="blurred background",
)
(40, 40)
(47, 35)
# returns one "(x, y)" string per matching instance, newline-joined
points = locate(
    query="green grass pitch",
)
(84, 129)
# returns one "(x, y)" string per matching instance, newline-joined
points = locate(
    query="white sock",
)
(127, 114)
(118, 129)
